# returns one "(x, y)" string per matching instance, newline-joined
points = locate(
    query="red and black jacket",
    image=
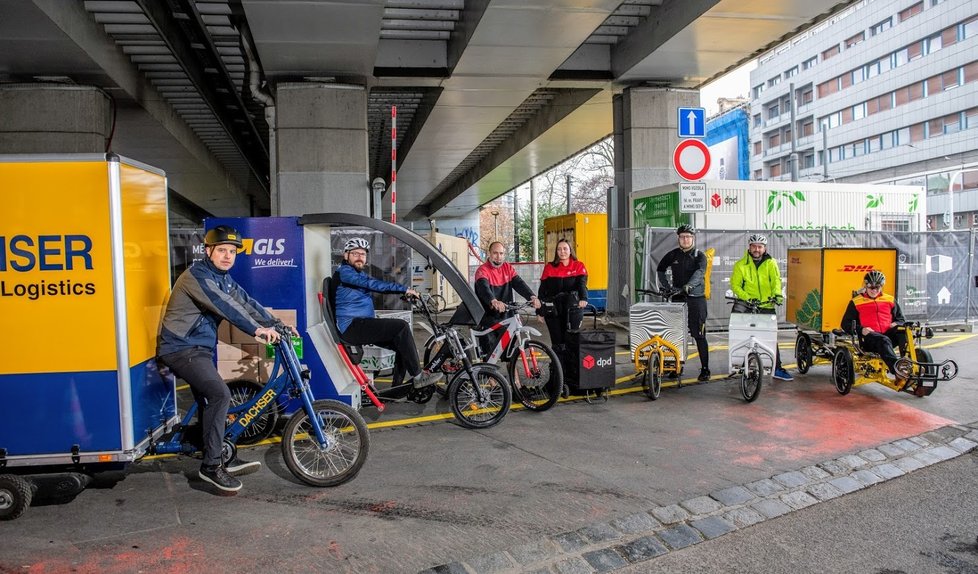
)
(498, 283)
(558, 279)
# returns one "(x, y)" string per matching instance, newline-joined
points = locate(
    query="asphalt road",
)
(433, 494)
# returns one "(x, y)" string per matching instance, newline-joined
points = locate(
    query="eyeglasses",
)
(874, 286)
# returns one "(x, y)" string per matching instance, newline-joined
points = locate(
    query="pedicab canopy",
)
(822, 281)
(468, 313)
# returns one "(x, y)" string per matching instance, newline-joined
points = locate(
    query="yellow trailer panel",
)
(821, 282)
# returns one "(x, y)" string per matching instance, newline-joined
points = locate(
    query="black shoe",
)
(704, 375)
(672, 376)
(238, 466)
(219, 478)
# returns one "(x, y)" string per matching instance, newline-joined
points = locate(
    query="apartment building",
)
(886, 91)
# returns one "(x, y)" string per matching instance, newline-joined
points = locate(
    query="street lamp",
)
(495, 224)
(950, 194)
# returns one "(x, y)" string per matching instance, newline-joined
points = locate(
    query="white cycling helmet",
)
(356, 243)
(757, 238)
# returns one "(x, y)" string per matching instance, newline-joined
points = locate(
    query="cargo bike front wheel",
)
(345, 450)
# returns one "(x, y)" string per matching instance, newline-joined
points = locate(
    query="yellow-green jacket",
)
(761, 281)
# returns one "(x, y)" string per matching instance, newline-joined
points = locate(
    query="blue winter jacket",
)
(353, 299)
(202, 297)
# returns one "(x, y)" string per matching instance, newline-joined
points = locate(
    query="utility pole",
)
(516, 226)
(568, 193)
(534, 236)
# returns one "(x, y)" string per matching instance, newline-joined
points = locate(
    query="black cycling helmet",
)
(686, 228)
(875, 277)
(223, 234)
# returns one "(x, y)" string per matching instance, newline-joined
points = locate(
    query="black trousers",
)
(696, 322)
(393, 334)
(196, 367)
(566, 316)
(883, 345)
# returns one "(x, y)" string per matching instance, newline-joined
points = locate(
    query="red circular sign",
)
(691, 159)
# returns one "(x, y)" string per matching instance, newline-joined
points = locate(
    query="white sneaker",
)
(425, 379)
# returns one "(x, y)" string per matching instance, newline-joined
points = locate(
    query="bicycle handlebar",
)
(666, 294)
(753, 305)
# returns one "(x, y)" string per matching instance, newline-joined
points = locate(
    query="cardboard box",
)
(247, 368)
(239, 337)
(253, 349)
(224, 332)
(287, 316)
(228, 352)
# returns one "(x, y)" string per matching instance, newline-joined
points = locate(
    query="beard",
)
(358, 265)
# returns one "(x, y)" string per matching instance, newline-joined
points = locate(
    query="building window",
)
(757, 120)
(879, 27)
(808, 160)
(758, 90)
(774, 81)
(833, 51)
(793, 71)
(971, 118)
(774, 140)
(970, 28)
(806, 97)
(828, 88)
(757, 148)
(859, 111)
(773, 111)
(899, 58)
(952, 124)
(918, 132)
(910, 12)
(757, 175)
(775, 170)
(951, 79)
(853, 40)
(971, 72)
(808, 128)
(809, 63)
(915, 50)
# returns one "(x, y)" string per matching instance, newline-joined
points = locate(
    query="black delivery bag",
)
(589, 360)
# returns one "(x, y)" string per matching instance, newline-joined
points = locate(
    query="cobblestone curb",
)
(626, 540)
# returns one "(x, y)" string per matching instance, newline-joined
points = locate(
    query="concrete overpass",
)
(247, 103)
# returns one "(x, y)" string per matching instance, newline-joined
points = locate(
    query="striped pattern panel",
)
(668, 320)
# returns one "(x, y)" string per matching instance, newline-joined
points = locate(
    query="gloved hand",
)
(754, 301)
(686, 289)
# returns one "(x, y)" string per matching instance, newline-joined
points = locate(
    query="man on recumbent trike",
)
(876, 319)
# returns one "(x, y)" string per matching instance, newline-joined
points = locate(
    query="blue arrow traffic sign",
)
(692, 122)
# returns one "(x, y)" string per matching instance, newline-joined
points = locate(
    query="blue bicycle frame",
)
(285, 372)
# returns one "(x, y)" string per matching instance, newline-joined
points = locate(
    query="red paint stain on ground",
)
(181, 556)
(825, 426)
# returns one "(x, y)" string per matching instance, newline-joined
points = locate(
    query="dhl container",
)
(822, 281)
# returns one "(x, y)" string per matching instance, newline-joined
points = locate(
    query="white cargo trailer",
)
(787, 205)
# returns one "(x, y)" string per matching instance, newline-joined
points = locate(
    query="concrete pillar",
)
(53, 119)
(646, 127)
(646, 132)
(321, 149)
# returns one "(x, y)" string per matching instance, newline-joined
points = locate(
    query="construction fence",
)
(936, 280)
